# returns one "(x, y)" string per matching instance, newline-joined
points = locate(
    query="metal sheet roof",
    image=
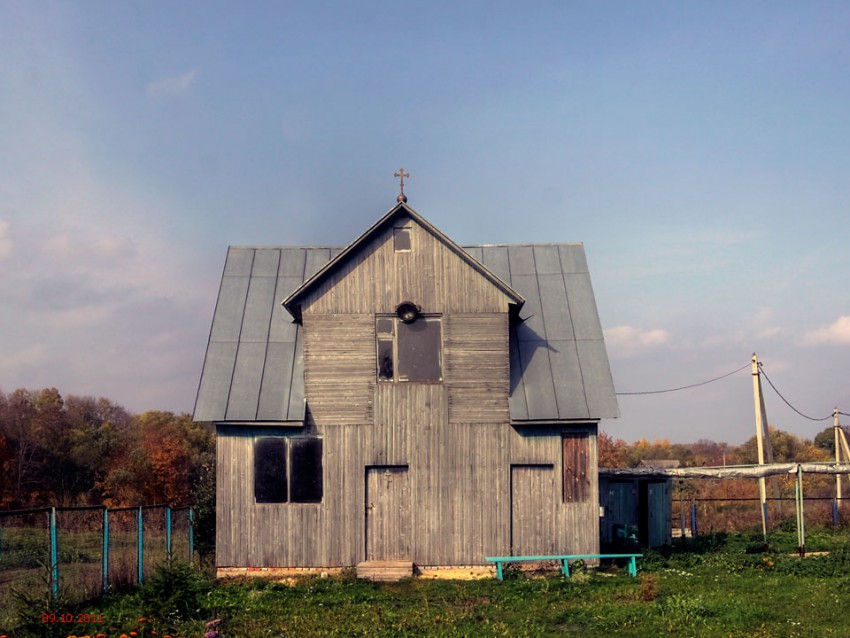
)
(254, 366)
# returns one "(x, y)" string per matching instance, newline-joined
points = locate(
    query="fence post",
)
(191, 515)
(140, 553)
(693, 520)
(835, 512)
(764, 518)
(801, 517)
(105, 550)
(54, 555)
(168, 533)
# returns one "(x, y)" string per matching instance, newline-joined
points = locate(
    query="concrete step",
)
(385, 570)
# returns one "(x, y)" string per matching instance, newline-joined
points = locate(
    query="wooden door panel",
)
(532, 517)
(387, 513)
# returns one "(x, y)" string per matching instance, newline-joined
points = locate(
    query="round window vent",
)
(407, 311)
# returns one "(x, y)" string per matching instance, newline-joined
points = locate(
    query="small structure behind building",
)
(636, 509)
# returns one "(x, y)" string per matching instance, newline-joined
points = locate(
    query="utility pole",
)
(762, 440)
(836, 429)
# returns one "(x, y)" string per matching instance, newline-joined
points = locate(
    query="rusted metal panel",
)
(576, 467)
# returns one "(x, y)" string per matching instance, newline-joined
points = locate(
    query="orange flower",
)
(133, 633)
(123, 636)
(143, 619)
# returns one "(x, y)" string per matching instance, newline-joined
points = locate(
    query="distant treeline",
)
(70, 451)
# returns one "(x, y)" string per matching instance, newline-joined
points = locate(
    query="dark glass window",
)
(385, 359)
(302, 484)
(409, 351)
(306, 469)
(401, 239)
(419, 350)
(270, 470)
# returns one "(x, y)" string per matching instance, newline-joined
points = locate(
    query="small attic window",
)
(401, 239)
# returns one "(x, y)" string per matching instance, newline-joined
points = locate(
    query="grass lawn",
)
(721, 586)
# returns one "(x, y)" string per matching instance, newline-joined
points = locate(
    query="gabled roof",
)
(293, 302)
(254, 366)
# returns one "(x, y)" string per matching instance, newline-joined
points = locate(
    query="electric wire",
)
(686, 387)
(779, 394)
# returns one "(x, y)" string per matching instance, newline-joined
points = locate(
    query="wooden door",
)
(656, 523)
(532, 510)
(387, 513)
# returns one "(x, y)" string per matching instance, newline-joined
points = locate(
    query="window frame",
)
(405, 230)
(394, 336)
(287, 442)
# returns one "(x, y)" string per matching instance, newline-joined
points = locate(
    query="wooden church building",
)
(405, 398)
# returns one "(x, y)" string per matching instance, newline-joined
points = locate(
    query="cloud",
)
(627, 340)
(172, 86)
(29, 357)
(837, 332)
(762, 324)
(5, 240)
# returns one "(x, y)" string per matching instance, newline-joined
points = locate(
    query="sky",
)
(700, 151)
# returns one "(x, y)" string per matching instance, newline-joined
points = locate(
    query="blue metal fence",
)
(86, 551)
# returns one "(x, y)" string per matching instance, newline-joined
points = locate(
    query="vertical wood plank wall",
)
(454, 437)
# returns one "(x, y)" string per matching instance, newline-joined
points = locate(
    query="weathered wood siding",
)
(378, 278)
(460, 493)
(339, 370)
(476, 367)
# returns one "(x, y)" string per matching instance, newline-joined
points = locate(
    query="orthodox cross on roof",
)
(401, 174)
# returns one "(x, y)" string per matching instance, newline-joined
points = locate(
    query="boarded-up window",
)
(302, 457)
(270, 470)
(409, 351)
(576, 467)
(306, 470)
(419, 350)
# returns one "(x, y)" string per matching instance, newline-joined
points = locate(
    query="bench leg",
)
(499, 570)
(565, 567)
(633, 566)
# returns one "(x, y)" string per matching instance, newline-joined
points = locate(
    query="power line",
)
(805, 416)
(687, 387)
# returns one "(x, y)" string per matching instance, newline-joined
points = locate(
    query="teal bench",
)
(564, 558)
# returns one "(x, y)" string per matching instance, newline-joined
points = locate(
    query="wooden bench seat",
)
(564, 558)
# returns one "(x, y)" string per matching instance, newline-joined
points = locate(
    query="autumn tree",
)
(612, 452)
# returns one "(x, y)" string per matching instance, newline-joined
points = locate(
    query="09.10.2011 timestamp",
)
(72, 618)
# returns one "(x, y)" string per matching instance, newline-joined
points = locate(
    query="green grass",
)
(720, 585)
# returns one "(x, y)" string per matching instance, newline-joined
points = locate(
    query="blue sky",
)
(701, 151)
